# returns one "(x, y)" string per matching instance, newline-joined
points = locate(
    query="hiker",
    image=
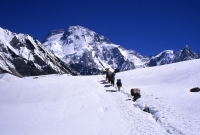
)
(109, 76)
(112, 78)
(107, 70)
(119, 84)
(117, 70)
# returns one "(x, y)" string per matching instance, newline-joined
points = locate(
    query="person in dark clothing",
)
(119, 84)
(106, 76)
(112, 78)
(117, 70)
(109, 76)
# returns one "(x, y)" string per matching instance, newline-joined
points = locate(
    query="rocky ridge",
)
(23, 55)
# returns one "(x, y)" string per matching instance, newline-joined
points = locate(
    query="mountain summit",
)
(89, 52)
(169, 56)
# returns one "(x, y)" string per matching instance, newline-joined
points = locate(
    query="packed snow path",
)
(74, 105)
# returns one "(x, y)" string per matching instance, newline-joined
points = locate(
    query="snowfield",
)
(88, 105)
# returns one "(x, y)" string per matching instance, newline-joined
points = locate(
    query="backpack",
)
(119, 83)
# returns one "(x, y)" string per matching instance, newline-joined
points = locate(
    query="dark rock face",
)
(87, 59)
(86, 70)
(87, 65)
(185, 54)
(3, 71)
(152, 63)
(127, 65)
(22, 67)
(23, 55)
(100, 38)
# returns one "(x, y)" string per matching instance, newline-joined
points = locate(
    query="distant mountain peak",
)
(187, 46)
(85, 32)
(88, 50)
(77, 27)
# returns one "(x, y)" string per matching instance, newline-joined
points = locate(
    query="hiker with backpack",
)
(112, 78)
(119, 84)
(109, 76)
(107, 70)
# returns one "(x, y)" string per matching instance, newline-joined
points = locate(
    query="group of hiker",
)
(110, 77)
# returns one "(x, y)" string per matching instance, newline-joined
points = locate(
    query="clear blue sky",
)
(147, 26)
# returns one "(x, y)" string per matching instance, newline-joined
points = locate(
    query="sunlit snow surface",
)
(83, 105)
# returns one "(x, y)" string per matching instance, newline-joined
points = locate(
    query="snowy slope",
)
(66, 105)
(23, 55)
(85, 50)
(166, 91)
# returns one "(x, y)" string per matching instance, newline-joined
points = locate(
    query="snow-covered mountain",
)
(162, 58)
(23, 55)
(185, 54)
(82, 49)
(169, 56)
(89, 52)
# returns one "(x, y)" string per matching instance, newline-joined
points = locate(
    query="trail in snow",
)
(156, 107)
(138, 122)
